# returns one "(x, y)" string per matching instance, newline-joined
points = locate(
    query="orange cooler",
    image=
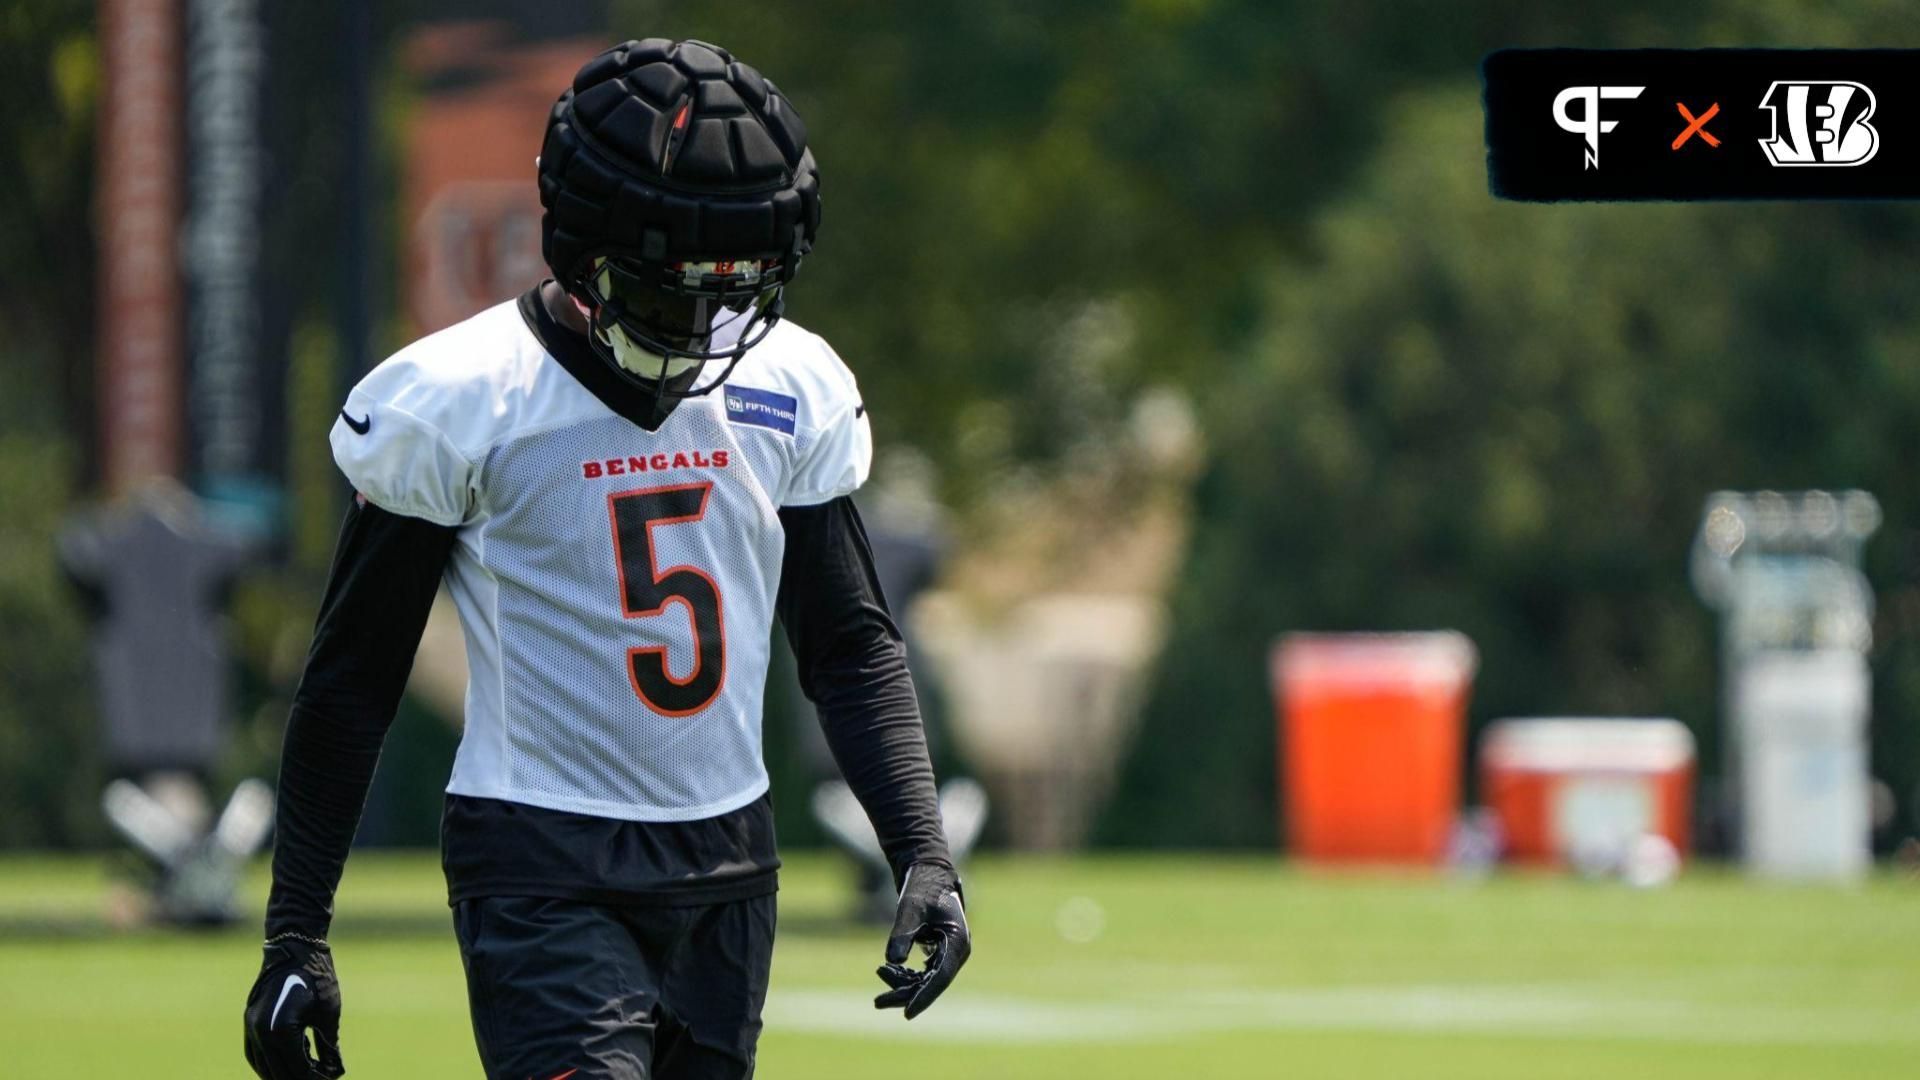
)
(1560, 786)
(1371, 730)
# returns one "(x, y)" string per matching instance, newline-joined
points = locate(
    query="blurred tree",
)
(999, 178)
(1504, 418)
(49, 79)
(49, 774)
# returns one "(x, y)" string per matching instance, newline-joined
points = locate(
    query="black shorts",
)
(562, 988)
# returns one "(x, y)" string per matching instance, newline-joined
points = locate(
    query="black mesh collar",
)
(571, 349)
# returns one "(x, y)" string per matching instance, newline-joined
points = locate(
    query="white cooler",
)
(1804, 786)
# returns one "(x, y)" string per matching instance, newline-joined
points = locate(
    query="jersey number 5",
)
(646, 590)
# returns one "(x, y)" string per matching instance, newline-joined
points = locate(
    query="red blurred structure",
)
(1371, 732)
(138, 214)
(471, 203)
(1585, 789)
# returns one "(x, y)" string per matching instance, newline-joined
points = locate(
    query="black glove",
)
(933, 913)
(296, 991)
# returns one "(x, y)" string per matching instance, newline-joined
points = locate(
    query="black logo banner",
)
(1679, 124)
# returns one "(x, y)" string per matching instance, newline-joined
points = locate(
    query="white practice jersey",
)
(616, 585)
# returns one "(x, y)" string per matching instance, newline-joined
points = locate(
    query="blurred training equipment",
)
(1371, 731)
(153, 573)
(1585, 791)
(1797, 617)
(1043, 699)
(199, 870)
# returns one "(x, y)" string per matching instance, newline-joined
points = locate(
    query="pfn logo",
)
(1826, 124)
(1589, 124)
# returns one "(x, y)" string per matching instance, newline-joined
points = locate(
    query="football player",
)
(622, 477)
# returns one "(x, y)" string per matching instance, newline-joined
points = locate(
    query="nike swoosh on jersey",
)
(360, 427)
(285, 989)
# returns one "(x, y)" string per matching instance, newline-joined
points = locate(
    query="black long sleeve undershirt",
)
(853, 667)
(386, 570)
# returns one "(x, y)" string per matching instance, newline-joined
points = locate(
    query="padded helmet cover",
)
(671, 152)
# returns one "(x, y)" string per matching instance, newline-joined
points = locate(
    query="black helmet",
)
(680, 197)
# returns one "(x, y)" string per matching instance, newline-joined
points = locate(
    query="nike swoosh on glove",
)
(932, 913)
(296, 991)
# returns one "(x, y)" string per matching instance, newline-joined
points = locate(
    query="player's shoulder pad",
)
(833, 441)
(799, 363)
(411, 434)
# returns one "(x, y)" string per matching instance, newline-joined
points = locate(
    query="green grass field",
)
(1091, 968)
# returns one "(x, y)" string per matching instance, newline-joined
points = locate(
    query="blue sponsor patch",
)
(745, 405)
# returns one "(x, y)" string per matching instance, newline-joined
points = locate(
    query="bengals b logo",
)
(1820, 123)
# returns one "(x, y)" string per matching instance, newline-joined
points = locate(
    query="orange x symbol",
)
(1697, 125)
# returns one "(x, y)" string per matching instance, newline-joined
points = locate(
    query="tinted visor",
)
(681, 306)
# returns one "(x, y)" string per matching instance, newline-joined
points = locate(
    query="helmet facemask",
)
(659, 324)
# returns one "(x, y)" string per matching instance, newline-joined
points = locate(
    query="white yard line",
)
(1540, 1011)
